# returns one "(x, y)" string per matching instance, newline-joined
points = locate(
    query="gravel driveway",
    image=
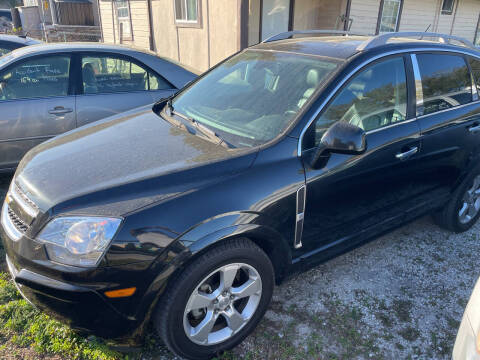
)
(400, 296)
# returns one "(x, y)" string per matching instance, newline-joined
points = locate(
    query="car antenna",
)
(428, 27)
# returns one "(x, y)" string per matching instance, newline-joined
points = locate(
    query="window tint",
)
(374, 98)
(446, 82)
(40, 77)
(475, 66)
(107, 74)
(6, 48)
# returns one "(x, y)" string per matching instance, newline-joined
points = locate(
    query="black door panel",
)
(353, 193)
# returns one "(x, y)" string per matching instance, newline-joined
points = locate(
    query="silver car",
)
(12, 42)
(48, 89)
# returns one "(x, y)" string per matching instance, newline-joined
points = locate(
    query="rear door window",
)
(475, 66)
(446, 82)
(110, 74)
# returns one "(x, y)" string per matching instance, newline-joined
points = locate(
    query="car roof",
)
(23, 40)
(344, 47)
(340, 47)
(42, 48)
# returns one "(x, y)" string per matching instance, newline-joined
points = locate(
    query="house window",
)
(390, 14)
(447, 7)
(187, 11)
(122, 11)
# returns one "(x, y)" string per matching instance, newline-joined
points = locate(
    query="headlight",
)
(79, 241)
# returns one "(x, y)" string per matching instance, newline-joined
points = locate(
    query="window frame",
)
(380, 15)
(71, 71)
(119, 19)
(324, 101)
(447, 11)
(185, 22)
(410, 113)
(419, 100)
(148, 69)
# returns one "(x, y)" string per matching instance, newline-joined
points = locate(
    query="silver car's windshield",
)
(252, 97)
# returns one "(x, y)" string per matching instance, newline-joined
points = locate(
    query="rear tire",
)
(463, 209)
(216, 301)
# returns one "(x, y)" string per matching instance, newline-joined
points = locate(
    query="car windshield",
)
(251, 98)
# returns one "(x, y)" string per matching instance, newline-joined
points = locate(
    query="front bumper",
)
(75, 296)
(82, 308)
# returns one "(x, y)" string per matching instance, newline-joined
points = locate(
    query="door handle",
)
(405, 155)
(474, 129)
(59, 110)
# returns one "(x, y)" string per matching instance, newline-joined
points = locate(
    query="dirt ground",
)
(400, 296)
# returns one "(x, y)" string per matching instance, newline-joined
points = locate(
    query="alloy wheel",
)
(222, 304)
(470, 203)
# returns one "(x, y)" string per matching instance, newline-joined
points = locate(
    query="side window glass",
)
(374, 98)
(5, 49)
(109, 74)
(446, 82)
(475, 66)
(41, 77)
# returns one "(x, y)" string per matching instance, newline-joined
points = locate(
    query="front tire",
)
(463, 209)
(216, 301)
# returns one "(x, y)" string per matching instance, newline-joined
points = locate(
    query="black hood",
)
(134, 147)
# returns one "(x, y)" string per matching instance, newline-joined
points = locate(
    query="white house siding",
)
(364, 14)
(418, 15)
(140, 25)
(106, 19)
(317, 14)
(466, 18)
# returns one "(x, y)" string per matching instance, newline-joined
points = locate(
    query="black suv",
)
(283, 155)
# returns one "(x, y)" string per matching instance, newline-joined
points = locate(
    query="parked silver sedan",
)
(11, 42)
(49, 89)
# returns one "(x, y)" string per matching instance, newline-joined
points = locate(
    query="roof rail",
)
(383, 39)
(290, 34)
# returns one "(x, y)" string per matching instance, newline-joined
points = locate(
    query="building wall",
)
(140, 24)
(364, 14)
(106, 14)
(218, 35)
(139, 20)
(418, 15)
(318, 14)
(200, 47)
(466, 18)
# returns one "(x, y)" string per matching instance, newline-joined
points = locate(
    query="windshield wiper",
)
(204, 130)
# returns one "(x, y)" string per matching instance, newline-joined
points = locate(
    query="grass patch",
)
(25, 326)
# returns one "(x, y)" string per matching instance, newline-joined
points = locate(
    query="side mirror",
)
(344, 138)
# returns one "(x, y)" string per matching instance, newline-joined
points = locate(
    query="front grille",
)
(19, 194)
(17, 222)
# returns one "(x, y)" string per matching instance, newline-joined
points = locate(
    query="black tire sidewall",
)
(467, 184)
(174, 319)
